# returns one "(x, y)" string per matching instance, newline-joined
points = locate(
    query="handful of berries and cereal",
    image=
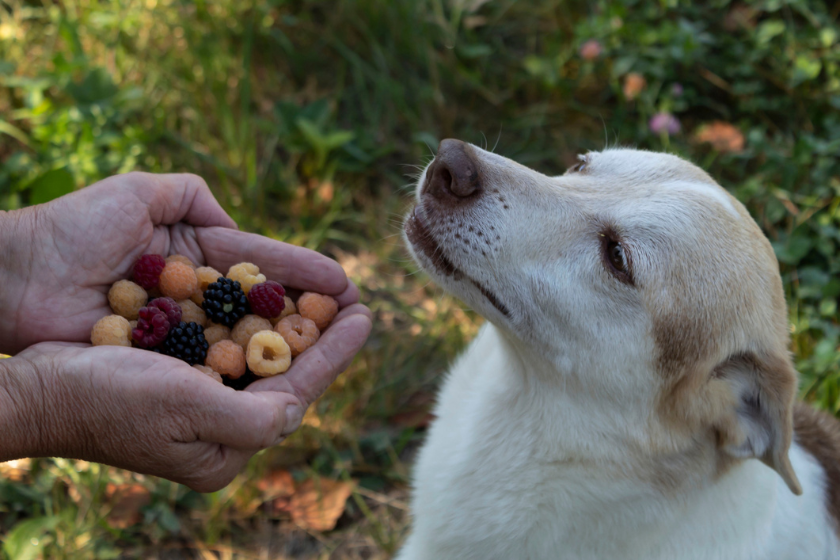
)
(234, 328)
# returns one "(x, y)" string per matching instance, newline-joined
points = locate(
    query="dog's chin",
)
(431, 256)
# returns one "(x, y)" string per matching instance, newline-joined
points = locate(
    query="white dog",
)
(632, 395)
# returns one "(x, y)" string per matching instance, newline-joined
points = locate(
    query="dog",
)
(631, 394)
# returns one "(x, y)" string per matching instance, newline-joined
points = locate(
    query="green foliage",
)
(302, 117)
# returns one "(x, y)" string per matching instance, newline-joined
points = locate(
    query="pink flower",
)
(664, 122)
(590, 50)
(677, 90)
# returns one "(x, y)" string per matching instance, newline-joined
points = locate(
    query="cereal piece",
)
(321, 309)
(178, 281)
(298, 332)
(191, 313)
(247, 274)
(126, 298)
(246, 327)
(209, 372)
(290, 309)
(180, 259)
(214, 333)
(268, 354)
(227, 358)
(206, 275)
(112, 330)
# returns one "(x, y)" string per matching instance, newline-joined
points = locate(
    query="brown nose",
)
(454, 172)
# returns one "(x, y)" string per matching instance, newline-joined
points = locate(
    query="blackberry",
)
(225, 302)
(185, 342)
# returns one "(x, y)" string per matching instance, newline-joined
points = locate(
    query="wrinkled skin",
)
(128, 407)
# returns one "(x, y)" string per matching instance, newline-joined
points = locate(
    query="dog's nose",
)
(454, 172)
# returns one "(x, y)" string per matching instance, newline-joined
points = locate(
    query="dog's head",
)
(635, 275)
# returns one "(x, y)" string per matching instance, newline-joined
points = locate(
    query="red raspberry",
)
(168, 306)
(147, 271)
(266, 299)
(152, 327)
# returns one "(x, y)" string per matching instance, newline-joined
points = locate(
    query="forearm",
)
(16, 248)
(21, 405)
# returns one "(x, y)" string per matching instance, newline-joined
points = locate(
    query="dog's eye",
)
(580, 165)
(615, 252)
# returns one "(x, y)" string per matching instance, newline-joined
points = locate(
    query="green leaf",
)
(24, 541)
(805, 68)
(50, 186)
(769, 29)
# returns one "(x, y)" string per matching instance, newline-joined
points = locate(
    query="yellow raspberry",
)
(180, 259)
(321, 309)
(247, 274)
(177, 281)
(191, 313)
(214, 333)
(208, 371)
(268, 354)
(227, 358)
(206, 275)
(298, 332)
(126, 298)
(290, 309)
(246, 327)
(112, 330)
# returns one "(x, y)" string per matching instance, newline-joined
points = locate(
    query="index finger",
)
(291, 266)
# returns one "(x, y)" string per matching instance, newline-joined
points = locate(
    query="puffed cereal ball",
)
(191, 313)
(246, 327)
(268, 354)
(320, 308)
(214, 333)
(126, 298)
(112, 330)
(177, 281)
(227, 358)
(247, 274)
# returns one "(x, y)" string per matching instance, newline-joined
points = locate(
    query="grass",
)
(309, 119)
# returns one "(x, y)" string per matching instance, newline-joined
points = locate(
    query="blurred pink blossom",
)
(664, 122)
(590, 50)
(677, 90)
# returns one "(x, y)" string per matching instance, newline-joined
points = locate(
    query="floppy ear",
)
(761, 425)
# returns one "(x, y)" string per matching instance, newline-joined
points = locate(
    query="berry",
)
(180, 259)
(192, 313)
(209, 372)
(247, 327)
(206, 275)
(298, 332)
(178, 281)
(112, 330)
(186, 342)
(288, 309)
(225, 302)
(214, 333)
(147, 270)
(266, 299)
(126, 298)
(152, 327)
(168, 306)
(268, 354)
(228, 358)
(247, 274)
(321, 309)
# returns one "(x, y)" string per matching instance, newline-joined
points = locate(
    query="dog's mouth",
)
(421, 239)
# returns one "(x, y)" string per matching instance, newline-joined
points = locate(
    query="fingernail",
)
(294, 415)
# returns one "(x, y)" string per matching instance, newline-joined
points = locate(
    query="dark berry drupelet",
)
(225, 302)
(186, 342)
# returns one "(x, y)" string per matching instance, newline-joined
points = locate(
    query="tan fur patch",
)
(819, 434)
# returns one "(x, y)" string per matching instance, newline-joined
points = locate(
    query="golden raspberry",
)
(180, 259)
(290, 309)
(247, 274)
(178, 281)
(268, 354)
(191, 313)
(227, 358)
(298, 332)
(126, 298)
(321, 309)
(206, 275)
(214, 333)
(246, 327)
(112, 330)
(209, 372)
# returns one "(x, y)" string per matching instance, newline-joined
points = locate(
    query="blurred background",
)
(310, 120)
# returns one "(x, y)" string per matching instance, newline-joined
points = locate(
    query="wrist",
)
(21, 398)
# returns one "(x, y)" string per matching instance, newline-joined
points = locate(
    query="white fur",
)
(546, 444)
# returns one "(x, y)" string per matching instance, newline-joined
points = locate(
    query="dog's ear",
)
(761, 425)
